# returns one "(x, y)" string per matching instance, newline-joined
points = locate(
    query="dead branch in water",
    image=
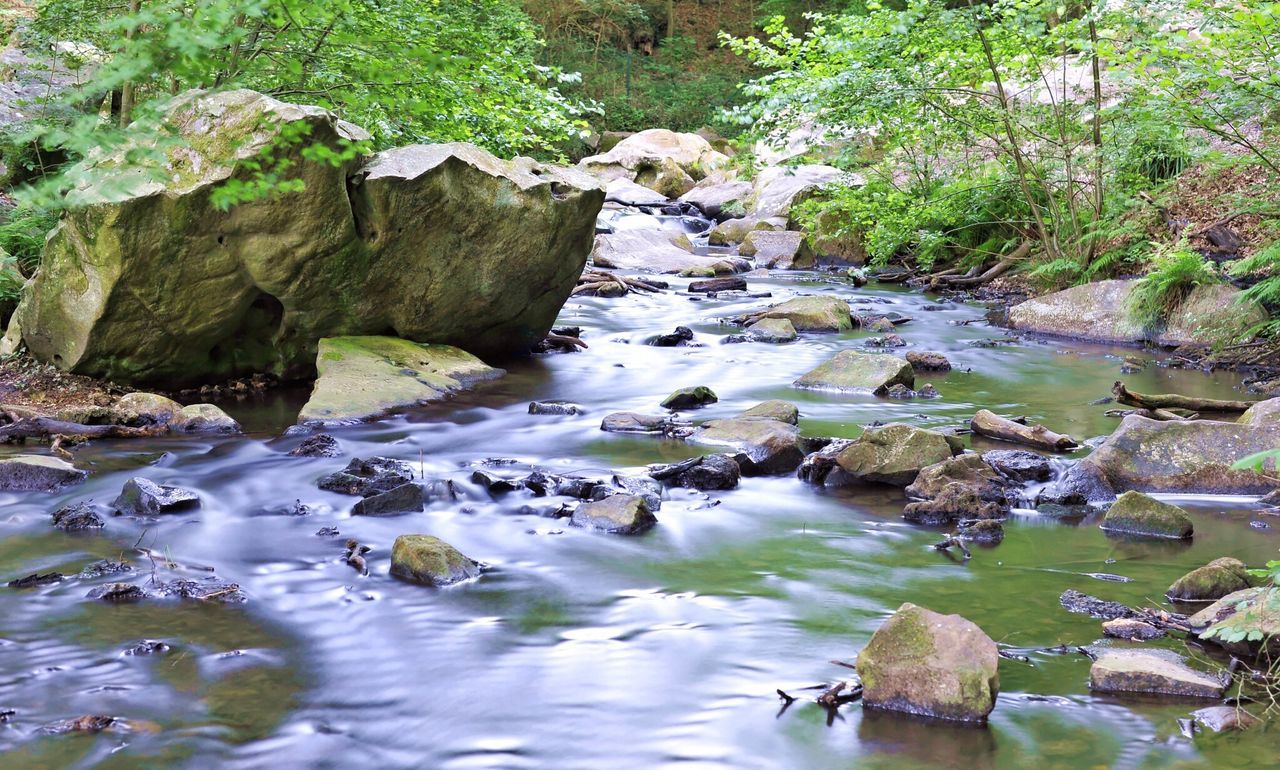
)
(48, 427)
(1175, 401)
(1168, 415)
(989, 424)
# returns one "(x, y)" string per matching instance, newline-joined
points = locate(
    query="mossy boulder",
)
(774, 330)
(1134, 513)
(775, 409)
(204, 418)
(1262, 413)
(894, 454)
(690, 398)
(932, 665)
(731, 231)
(147, 409)
(37, 473)
(616, 514)
(1193, 456)
(1211, 582)
(858, 372)
(964, 487)
(365, 377)
(148, 280)
(807, 314)
(431, 561)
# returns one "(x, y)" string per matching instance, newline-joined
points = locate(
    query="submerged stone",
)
(1134, 513)
(851, 370)
(1157, 672)
(365, 377)
(929, 664)
(431, 561)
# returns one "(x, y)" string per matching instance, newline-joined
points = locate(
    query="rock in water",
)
(618, 514)
(776, 409)
(808, 314)
(430, 560)
(852, 371)
(406, 498)
(1211, 582)
(777, 249)
(1262, 413)
(1225, 718)
(77, 517)
(368, 477)
(1137, 514)
(932, 665)
(690, 398)
(928, 362)
(631, 422)
(765, 446)
(37, 473)
(204, 418)
(662, 160)
(774, 330)
(712, 285)
(652, 251)
(1019, 464)
(143, 497)
(894, 454)
(365, 377)
(319, 445)
(1193, 456)
(964, 487)
(1152, 671)
(154, 283)
(1131, 629)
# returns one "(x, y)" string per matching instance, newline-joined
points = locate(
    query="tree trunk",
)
(991, 425)
(1175, 401)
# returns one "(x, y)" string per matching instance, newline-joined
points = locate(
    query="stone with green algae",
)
(430, 560)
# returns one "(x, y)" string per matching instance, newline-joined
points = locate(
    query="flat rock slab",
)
(652, 251)
(808, 314)
(1155, 672)
(361, 378)
(37, 473)
(777, 249)
(854, 371)
(633, 422)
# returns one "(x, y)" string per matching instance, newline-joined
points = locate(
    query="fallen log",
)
(1000, 268)
(991, 425)
(1175, 401)
(45, 427)
(1168, 415)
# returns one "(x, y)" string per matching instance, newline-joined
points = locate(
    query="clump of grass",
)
(1175, 272)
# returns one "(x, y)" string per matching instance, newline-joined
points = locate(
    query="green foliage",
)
(1261, 462)
(22, 235)
(1175, 271)
(1266, 292)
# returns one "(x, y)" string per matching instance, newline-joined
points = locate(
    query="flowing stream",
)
(583, 650)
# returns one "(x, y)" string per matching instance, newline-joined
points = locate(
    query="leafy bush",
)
(1266, 292)
(1175, 271)
(22, 235)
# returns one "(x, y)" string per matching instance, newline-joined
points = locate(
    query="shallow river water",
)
(584, 650)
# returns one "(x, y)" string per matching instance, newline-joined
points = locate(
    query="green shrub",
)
(22, 235)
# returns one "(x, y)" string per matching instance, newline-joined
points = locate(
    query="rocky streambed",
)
(237, 604)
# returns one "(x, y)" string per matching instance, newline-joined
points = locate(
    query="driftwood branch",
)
(991, 425)
(45, 427)
(1168, 415)
(1175, 401)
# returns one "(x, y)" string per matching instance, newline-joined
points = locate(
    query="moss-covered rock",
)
(1262, 413)
(1211, 582)
(690, 398)
(1134, 513)
(1158, 672)
(617, 514)
(775, 330)
(855, 371)
(365, 377)
(775, 409)
(147, 409)
(430, 560)
(964, 487)
(732, 231)
(153, 282)
(929, 664)
(894, 453)
(808, 314)
(204, 418)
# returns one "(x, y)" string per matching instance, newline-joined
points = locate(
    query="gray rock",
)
(203, 418)
(368, 477)
(764, 446)
(406, 498)
(319, 445)
(690, 398)
(143, 497)
(964, 487)
(1221, 719)
(631, 422)
(1134, 513)
(775, 330)
(928, 362)
(711, 472)
(617, 514)
(894, 454)
(777, 250)
(1131, 629)
(1019, 464)
(713, 285)
(77, 517)
(1153, 672)
(38, 473)
(555, 407)
(653, 251)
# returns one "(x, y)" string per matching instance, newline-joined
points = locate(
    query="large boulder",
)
(1262, 413)
(1192, 456)
(628, 193)
(780, 250)
(1252, 613)
(430, 561)
(1134, 513)
(855, 371)
(1100, 312)
(718, 199)
(929, 664)
(779, 188)
(365, 377)
(617, 514)
(149, 279)
(731, 231)
(807, 314)
(652, 251)
(895, 454)
(652, 158)
(1211, 582)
